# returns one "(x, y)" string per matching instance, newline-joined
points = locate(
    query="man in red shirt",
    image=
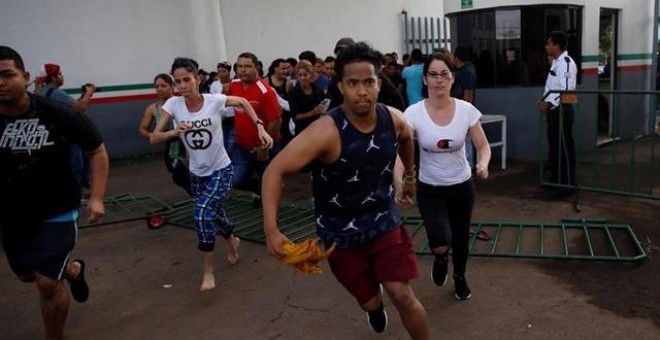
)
(248, 155)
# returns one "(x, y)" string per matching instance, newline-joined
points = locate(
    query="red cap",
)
(52, 69)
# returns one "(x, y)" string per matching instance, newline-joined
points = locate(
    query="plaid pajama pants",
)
(210, 216)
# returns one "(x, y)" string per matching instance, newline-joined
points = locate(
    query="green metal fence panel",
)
(615, 140)
(126, 208)
(295, 221)
(568, 240)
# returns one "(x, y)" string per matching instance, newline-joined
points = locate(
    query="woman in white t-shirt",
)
(198, 122)
(445, 192)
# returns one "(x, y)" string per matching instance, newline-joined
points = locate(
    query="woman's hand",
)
(482, 170)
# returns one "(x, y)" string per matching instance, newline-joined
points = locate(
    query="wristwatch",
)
(258, 122)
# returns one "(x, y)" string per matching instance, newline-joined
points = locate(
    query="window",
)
(508, 44)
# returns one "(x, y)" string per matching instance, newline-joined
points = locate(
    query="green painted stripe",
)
(635, 56)
(620, 57)
(115, 88)
(589, 58)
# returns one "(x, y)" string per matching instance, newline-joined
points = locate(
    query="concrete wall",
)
(284, 28)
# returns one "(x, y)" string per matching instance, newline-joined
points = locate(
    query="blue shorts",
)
(43, 247)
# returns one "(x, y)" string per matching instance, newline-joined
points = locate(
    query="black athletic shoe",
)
(78, 286)
(439, 274)
(378, 319)
(462, 290)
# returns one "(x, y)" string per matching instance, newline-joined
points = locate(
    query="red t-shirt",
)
(264, 101)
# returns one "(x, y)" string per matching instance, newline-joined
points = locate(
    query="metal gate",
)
(426, 33)
(617, 152)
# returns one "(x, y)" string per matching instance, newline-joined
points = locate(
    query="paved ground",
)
(130, 266)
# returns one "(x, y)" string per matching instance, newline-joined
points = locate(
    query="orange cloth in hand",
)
(305, 256)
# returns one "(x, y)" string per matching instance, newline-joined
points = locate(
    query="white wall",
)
(110, 42)
(284, 28)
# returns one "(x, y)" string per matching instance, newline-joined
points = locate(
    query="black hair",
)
(292, 61)
(308, 55)
(251, 56)
(416, 55)
(446, 57)
(165, 77)
(8, 53)
(330, 59)
(275, 64)
(559, 38)
(360, 51)
(189, 64)
(462, 53)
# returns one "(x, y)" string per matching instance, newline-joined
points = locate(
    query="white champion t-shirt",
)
(442, 148)
(203, 142)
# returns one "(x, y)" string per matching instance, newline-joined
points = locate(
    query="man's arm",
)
(271, 109)
(98, 162)
(315, 142)
(82, 103)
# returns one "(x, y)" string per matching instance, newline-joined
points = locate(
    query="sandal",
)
(78, 285)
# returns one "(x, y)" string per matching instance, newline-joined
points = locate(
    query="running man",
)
(35, 174)
(352, 150)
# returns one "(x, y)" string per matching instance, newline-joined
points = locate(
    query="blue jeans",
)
(228, 134)
(245, 163)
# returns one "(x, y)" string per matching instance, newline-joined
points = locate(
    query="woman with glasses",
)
(445, 192)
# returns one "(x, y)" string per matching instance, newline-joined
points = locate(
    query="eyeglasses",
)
(446, 75)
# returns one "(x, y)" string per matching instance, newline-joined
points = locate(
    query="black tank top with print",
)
(354, 196)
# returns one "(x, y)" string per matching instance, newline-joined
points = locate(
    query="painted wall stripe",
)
(122, 99)
(115, 88)
(620, 57)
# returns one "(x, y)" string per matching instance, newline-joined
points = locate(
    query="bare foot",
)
(233, 243)
(208, 283)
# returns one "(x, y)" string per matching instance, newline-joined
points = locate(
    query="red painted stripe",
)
(122, 99)
(634, 68)
(621, 69)
(590, 71)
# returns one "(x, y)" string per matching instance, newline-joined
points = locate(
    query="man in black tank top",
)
(352, 151)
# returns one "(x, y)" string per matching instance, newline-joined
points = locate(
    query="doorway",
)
(607, 65)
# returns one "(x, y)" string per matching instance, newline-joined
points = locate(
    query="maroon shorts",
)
(390, 258)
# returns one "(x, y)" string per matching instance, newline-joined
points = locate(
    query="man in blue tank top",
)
(352, 151)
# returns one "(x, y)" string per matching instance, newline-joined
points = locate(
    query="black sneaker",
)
(462, 290)
(378, 319)
(78, 286)
(439, 274)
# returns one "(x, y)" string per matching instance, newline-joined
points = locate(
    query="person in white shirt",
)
(218, 87)
(559, 117)
(445, 192)
(198, 122)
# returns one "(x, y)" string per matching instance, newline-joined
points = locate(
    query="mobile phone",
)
(326, 104)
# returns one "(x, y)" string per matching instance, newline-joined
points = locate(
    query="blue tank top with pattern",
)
(354, 196)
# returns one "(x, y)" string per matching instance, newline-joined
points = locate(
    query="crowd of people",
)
(373, 133)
